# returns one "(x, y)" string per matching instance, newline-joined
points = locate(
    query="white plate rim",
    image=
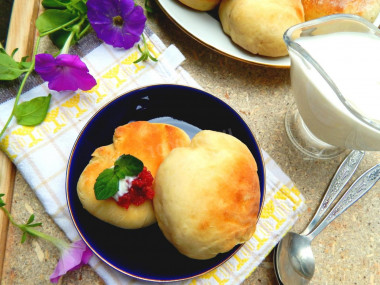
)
(205, 29)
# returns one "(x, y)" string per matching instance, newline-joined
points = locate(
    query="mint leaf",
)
(106, 185)
(33, 112)
(128, 165)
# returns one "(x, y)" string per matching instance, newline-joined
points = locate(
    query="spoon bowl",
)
(300, 255)
(295, 251)
(294, 260)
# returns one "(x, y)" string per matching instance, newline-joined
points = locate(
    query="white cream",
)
(124, 185)
(351, 60)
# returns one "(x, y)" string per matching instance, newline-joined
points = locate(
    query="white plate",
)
(208, 31)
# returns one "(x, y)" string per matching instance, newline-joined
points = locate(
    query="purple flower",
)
(65, 72)
(72, 257)
(117, 22)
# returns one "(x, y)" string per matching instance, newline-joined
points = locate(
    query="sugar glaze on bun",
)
(149, 142)
(207, 195)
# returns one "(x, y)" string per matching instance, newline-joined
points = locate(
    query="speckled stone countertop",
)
(347, 252)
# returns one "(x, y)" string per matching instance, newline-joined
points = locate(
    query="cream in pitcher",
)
(351, 60)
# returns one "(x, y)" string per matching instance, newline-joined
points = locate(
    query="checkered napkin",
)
(41, 153)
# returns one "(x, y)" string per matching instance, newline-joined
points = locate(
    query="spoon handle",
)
(361, 186)
(340, 179)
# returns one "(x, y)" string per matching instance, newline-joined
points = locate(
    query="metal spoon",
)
(337, 184)
(345, 171)
(294, 259)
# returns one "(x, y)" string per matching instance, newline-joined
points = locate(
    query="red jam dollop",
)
(140, 191)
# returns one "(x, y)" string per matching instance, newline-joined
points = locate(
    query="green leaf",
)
(23, 237)
(24, 58)
(2, 203)
(33, 112)
(25, 64)
(35, 225)
(14, 52)
(128, 165)
(59, 38)
(31, 219)
(145, 53)
(106, 185)
(53, 19)
(78, 6)
(55, 3)
(9, 68)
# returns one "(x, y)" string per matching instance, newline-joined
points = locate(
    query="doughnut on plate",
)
(145, 253)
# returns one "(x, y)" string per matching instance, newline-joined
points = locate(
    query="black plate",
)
(145, 253)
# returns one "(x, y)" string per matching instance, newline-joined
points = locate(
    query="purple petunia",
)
(65, 72)
(117, 22)
(72, 258)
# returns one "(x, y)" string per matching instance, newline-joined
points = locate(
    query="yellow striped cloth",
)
(41, 153)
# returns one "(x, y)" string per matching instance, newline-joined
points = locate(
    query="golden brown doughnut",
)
(149, 142)
(207, 195)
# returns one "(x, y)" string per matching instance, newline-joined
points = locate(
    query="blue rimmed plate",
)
(145, 253)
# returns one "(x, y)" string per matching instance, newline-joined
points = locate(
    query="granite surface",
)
(347, 252)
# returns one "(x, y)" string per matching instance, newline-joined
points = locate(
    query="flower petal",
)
(101, 18)
(72, 79)
(45, 66)
(111, 35)
(66, 72)
(135, 23)
(72, 258)
(126, 7)
(72, 61)
(98, 9)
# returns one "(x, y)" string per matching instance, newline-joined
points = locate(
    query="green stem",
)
(30, 70)
(60, 27)
(65, 48)
(74, 31)
(9, 216)
(60, 244)
(84, 31)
